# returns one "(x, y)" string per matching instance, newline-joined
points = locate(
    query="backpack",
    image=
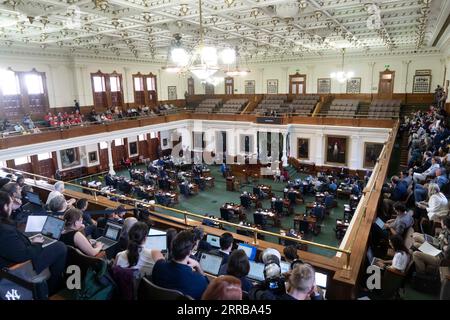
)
(96, 285)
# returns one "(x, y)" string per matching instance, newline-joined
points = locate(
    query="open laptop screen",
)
(53, 227)
(214, 241)
(321, 279)
(250, 251)
(34, 198)
(380, 223)
(256, 271)
(285, 266)
(210, 263)
(112, 231)
(35, 223)
(156, 240)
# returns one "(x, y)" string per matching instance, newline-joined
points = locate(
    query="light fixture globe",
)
(209, 55)
(228, 56)
(180, 57)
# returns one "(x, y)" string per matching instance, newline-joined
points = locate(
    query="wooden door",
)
(229, 85)
(386, 84)
(191, 86)
(297, 84)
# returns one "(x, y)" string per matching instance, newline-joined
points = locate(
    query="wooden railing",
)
(345, 266)
(77, 131)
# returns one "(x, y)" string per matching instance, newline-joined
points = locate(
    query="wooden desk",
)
(298, 218)
(270, 214)
(236, 209)
(344, 193)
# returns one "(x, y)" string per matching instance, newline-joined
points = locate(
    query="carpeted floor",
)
(210, 200)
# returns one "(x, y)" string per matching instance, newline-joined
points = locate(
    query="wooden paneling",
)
(14, 141)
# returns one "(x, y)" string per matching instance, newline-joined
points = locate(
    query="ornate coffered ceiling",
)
(263, 30)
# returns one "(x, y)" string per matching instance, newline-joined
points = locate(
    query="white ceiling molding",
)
(263, 30)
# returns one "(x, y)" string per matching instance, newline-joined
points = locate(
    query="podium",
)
(230, 183)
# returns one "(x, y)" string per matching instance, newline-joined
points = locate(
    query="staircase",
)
(408, 109)
(363, 109)
(404, 151)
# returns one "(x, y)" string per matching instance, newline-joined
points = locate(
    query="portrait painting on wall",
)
(303, 148)
(133, 148)
(371, 153)
(93, 157)
(70, 158)
(336, 151)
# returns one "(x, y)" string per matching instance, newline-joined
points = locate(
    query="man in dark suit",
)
(226, 245)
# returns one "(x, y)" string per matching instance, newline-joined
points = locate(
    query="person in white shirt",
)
(137, 256)
(59, 189)
(401, 258)
(437, 206)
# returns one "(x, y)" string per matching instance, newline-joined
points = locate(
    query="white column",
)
(355, 153)
(52, 97)
(284, 158)
(320, 151)
(110, 159)
(126, 88)
(311, 85)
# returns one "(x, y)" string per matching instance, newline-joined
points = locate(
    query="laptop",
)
(34, 225)
(321, 280)
(250, 251)
(156, 240)
(111, 235)
(285, 266)
(256, 272)
(210, 263)
(214, 241)
(34, 202)
(51, 230)
(380, 223)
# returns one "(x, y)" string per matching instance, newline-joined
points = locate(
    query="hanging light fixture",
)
(203, 61)
(342, 76)
(237, 72)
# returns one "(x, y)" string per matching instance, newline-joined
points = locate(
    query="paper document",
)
(429, 249)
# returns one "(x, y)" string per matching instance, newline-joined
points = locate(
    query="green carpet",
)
(210, 200)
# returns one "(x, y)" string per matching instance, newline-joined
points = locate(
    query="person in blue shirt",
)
(398, 192)
(332, 187)
(224, 170)
(356, 190)
(181, 273)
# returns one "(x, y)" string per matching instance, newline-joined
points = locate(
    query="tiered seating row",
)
(384, 109)
(343, 108)
(233, 106)
(208, 106)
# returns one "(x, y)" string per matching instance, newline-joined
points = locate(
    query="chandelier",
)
(236, 71)
(203, 61)
(342, 76)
